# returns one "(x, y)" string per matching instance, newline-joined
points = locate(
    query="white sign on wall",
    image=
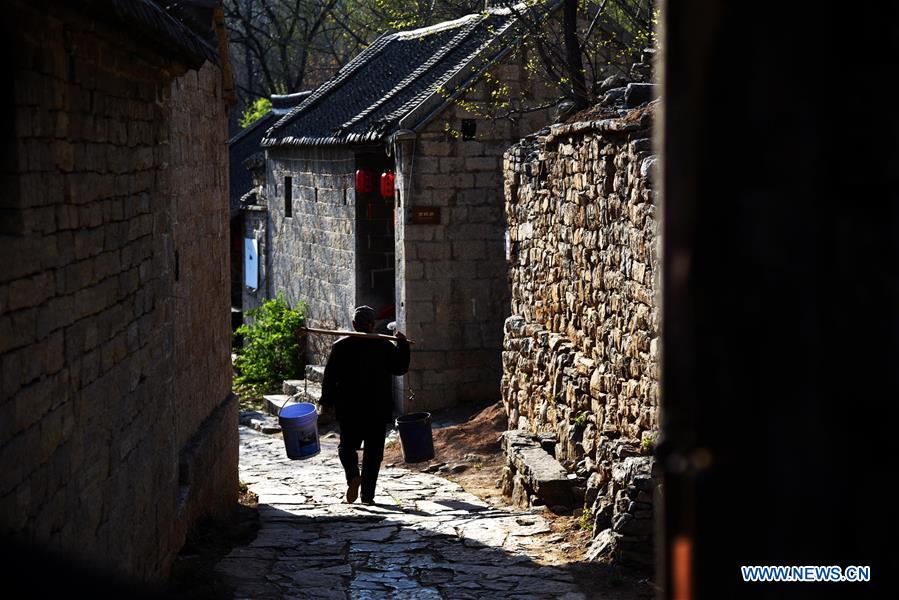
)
(251, 263)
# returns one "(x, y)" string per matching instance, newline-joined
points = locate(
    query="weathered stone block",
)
(543, 473)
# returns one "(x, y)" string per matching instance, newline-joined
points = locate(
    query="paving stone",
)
(425, 538)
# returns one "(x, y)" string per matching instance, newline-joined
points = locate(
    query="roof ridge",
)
(438, 27)
(373, 49)
(412, 106)
(401, 78)
(484, 14)
(418, 72)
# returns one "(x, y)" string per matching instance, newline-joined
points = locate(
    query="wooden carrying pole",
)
(359, 334)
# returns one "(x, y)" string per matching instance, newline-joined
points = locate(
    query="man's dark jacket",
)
(358, 378)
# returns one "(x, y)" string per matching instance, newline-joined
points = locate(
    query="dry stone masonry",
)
(580, 359)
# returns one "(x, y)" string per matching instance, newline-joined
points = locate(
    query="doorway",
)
(375, 237)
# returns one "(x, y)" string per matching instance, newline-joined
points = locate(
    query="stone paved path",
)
(425, 537)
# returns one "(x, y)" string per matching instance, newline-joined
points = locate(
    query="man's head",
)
(364, 319)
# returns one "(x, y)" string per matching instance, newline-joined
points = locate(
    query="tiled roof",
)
(398, 81)
(245, 144)
(241, 147)
(160, 24)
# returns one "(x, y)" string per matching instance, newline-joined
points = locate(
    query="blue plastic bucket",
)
(415, 436)
(299, 426)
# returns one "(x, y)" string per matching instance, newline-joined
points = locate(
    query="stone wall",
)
(196, 181)
(117, 426)
(452, 275)
(313, 252)
(580, 357)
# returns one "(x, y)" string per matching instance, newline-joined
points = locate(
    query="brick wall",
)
(313, 252)
(453, 282)
(581, 351)
(196, 182)
(115, 382)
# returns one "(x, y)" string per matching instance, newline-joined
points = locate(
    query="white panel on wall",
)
(251, 263)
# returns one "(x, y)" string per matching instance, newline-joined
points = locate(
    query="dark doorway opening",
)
(375, 238)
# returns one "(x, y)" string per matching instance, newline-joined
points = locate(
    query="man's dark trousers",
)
(352, 434)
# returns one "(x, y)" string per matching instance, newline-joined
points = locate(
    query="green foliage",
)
(250, 395)
(647, 445)
(581, 419)
(585, 522)
(271, 350)
(255, 111)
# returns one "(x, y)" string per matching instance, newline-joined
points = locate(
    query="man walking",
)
(358, 383)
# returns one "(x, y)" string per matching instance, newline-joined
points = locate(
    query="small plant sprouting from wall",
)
(271, 351)
(581, 419)
(647, 445)
(585, 521)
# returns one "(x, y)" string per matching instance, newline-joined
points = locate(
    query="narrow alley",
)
(632, 264)
(424, 538)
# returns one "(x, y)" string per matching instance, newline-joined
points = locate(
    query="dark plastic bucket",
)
(299, 425)
(415, 436)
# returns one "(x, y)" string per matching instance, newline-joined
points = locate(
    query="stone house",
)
(246, 160)
(117, 422)
(419, 105)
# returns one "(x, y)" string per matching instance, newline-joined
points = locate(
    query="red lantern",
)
(365, 181)
(387, 184)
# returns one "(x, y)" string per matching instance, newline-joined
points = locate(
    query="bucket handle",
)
(283, 405)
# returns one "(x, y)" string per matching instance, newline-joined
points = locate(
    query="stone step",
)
(315, 373)
(308, 392)
(260, 422)
(292, 386)
(303, 387)
(313, 393)
(534, 471)
(274, 402)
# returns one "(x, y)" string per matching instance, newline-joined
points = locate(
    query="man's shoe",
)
(352, 490)
(364, 501)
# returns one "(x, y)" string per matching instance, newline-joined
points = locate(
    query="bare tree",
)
(286, 46)
(406, 14)
(596, 39)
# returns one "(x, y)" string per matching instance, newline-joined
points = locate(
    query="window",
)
(288, 196)
(469, 127)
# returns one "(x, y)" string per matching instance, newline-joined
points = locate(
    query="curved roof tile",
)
(399, 72)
